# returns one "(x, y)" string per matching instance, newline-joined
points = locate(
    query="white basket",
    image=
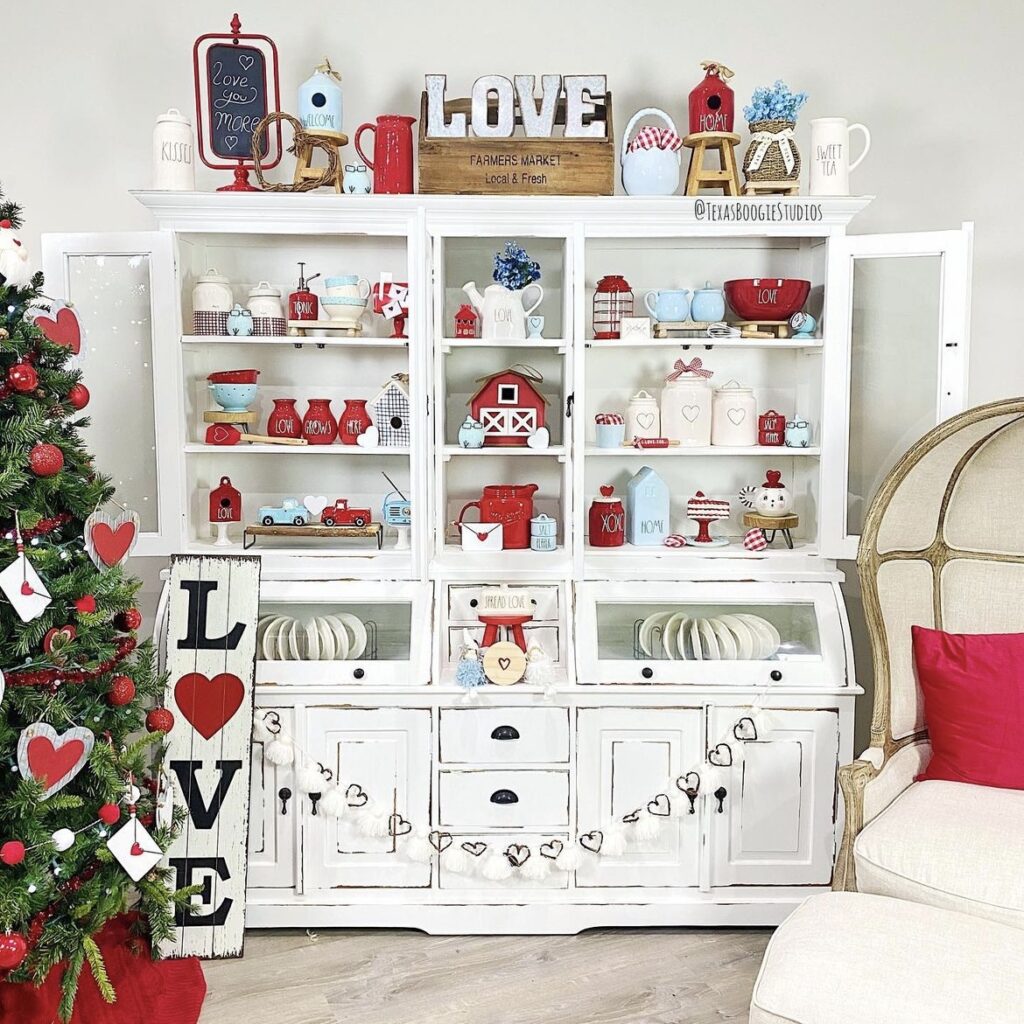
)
(649, 172)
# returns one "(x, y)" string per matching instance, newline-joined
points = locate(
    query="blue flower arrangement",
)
(513, 268)
(776, 103)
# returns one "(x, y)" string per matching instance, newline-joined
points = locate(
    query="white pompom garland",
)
(332, 801)
(496, 867)
(418, 847)
(372, 820)
(614, 844)
(261, 731)
(647, 828)
(457, 861)
(536, 868)
(570, 859)
(279, 750)
(309, 779)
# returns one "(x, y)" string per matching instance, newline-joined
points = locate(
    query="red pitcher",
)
(319, 425)
(392, 153)
(508, 504)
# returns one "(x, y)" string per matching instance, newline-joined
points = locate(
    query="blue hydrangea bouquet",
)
(513, 267)
(774, 103)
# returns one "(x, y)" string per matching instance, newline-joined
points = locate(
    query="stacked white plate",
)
(678, 636)
(337, 637)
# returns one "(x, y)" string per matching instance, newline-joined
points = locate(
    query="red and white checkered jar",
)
(613, 299)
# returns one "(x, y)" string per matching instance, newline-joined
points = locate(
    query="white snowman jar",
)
(686, 405)
(773, 499)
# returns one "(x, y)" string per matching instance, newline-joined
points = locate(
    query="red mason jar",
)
(613, 299)
(318, 425)
(607, 521)
(354, 420)
(284, 419)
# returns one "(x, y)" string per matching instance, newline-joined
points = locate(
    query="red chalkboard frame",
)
(204, 88)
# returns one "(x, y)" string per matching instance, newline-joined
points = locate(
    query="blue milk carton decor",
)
(647, 508)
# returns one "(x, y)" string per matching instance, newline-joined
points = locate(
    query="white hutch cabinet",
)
(629, 718)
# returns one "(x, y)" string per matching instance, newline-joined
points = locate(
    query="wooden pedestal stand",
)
(298, 328)
(219, 416)
(304, 149)
(373, 530)
(771, 188)
(747, 328)
(727, 177)
(770, 525)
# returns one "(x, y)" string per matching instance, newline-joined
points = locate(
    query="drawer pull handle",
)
(504, 796)
(505, 732)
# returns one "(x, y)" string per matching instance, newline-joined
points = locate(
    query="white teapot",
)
(772, 499)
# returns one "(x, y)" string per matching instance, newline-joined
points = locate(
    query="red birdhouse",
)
(509, 406)
(712, 103)
(465, 321)
(225, 503)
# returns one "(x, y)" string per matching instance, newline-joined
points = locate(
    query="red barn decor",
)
(466, 320)
(712, 103)
(225, 503)
(771, 428)
(509, 405)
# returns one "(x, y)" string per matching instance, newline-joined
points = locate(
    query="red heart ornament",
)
(49, 763)
(65, 330)
(50, 758)
(112, 545)
(607, 490)
(209, 704)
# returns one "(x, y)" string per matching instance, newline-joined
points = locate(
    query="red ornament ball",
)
(128, 620)
(159, 720)
(46, 459)
(109, 814)
(78, 396)
(85, 605)
(12, 852)
(13, 950)
(121, 692)
(22, 377)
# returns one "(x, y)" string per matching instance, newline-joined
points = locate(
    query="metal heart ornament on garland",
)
(109, 540)
(53, 759)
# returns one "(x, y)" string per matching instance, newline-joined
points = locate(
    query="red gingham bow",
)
(650, 137)
(694, 366)
(608, 417)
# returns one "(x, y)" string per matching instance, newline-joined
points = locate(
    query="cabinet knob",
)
(284, 794)
(313, 800)
(473, 602)
(647, 672)
(504, 796)
(775, 675)
(505, 732)
(720, 794)
(358, 673)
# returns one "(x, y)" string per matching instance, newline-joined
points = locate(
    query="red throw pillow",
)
(973, 686)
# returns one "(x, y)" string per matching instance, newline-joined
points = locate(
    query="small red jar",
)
(318, 425)
(284, 419)
(353, 421)
(607, 521)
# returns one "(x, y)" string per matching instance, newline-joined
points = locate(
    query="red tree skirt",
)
(148, 992)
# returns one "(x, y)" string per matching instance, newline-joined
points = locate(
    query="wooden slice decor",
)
(109, 539)
(504, 663)
(53, 759)
(303, 142)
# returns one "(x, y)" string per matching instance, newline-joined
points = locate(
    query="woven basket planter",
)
(773, 167)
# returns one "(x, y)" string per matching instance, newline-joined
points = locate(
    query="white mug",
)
(830, 155)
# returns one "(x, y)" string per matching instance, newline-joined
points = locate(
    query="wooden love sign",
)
(211, 665)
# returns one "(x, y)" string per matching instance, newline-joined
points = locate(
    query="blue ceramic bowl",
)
(234, 397)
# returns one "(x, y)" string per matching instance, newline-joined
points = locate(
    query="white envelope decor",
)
(482, 536)
(134, 848)
(22, 586)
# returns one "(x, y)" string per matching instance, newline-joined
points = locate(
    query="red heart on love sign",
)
(111, 545)
(209, 704)
(49, 763)
(65, 330)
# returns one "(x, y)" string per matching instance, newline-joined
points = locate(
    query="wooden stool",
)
(727, 177)
(772, 188)
(304, 168)
(770, 525)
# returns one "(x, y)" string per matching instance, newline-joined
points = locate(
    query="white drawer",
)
(464, 603)
(501, 841)
(504, 735)
(503, 799)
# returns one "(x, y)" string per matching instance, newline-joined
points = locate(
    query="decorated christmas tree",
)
(85, 809)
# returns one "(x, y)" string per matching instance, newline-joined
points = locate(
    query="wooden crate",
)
(517, 166)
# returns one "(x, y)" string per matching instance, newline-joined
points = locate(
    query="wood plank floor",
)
(663, 976)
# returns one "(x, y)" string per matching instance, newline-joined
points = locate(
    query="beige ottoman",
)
(851, 958)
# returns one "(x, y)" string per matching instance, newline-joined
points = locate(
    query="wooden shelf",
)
(556, 344)
(288, 449)
(552, 451)
(280, 339)
(776, 451)
(734, 549)
(521, 563)
(810, 344)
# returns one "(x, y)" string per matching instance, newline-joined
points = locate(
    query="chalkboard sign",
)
(237, 97)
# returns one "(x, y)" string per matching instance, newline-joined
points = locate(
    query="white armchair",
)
(943, 546)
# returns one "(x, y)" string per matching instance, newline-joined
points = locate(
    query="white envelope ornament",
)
(482, 536)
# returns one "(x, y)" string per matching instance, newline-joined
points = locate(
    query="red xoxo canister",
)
(508, 504)
(607, 520)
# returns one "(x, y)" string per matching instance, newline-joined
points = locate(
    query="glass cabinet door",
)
(897, 328)
(123, 288)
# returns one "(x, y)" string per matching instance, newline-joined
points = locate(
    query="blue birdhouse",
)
(647, 508)
(320, 101)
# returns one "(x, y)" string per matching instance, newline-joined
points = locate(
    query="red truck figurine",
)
(339, 514)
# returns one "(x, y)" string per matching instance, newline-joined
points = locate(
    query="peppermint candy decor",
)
(53, 759)
(109, 539)
(675, 540)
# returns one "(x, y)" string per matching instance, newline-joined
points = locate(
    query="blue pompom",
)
(469, 674)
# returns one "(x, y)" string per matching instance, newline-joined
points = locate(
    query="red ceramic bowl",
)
(234, 377)
(767, 298)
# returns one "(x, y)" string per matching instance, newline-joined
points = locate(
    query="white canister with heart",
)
(734, 416)
(265, 300)
(642, 416)
(686, 404)
(212, 293)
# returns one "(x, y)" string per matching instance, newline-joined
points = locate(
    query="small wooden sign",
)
(211, 663)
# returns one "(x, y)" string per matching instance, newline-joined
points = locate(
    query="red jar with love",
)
(353, 421)
(284, 420)
(318, 425)
(607, 520)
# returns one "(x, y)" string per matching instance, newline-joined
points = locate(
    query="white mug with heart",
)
(734, 416)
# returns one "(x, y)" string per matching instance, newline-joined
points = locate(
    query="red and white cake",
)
(704, 510)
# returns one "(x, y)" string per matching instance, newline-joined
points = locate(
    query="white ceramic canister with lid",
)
(265, 300)
(686, 407)
(174, 168)
(734, 416)
(642, 416)
(212, 293)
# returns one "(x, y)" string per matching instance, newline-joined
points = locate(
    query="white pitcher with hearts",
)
(734, 416)
(686, 404)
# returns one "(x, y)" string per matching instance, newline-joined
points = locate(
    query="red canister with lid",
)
(607, 520)
(613, 299)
